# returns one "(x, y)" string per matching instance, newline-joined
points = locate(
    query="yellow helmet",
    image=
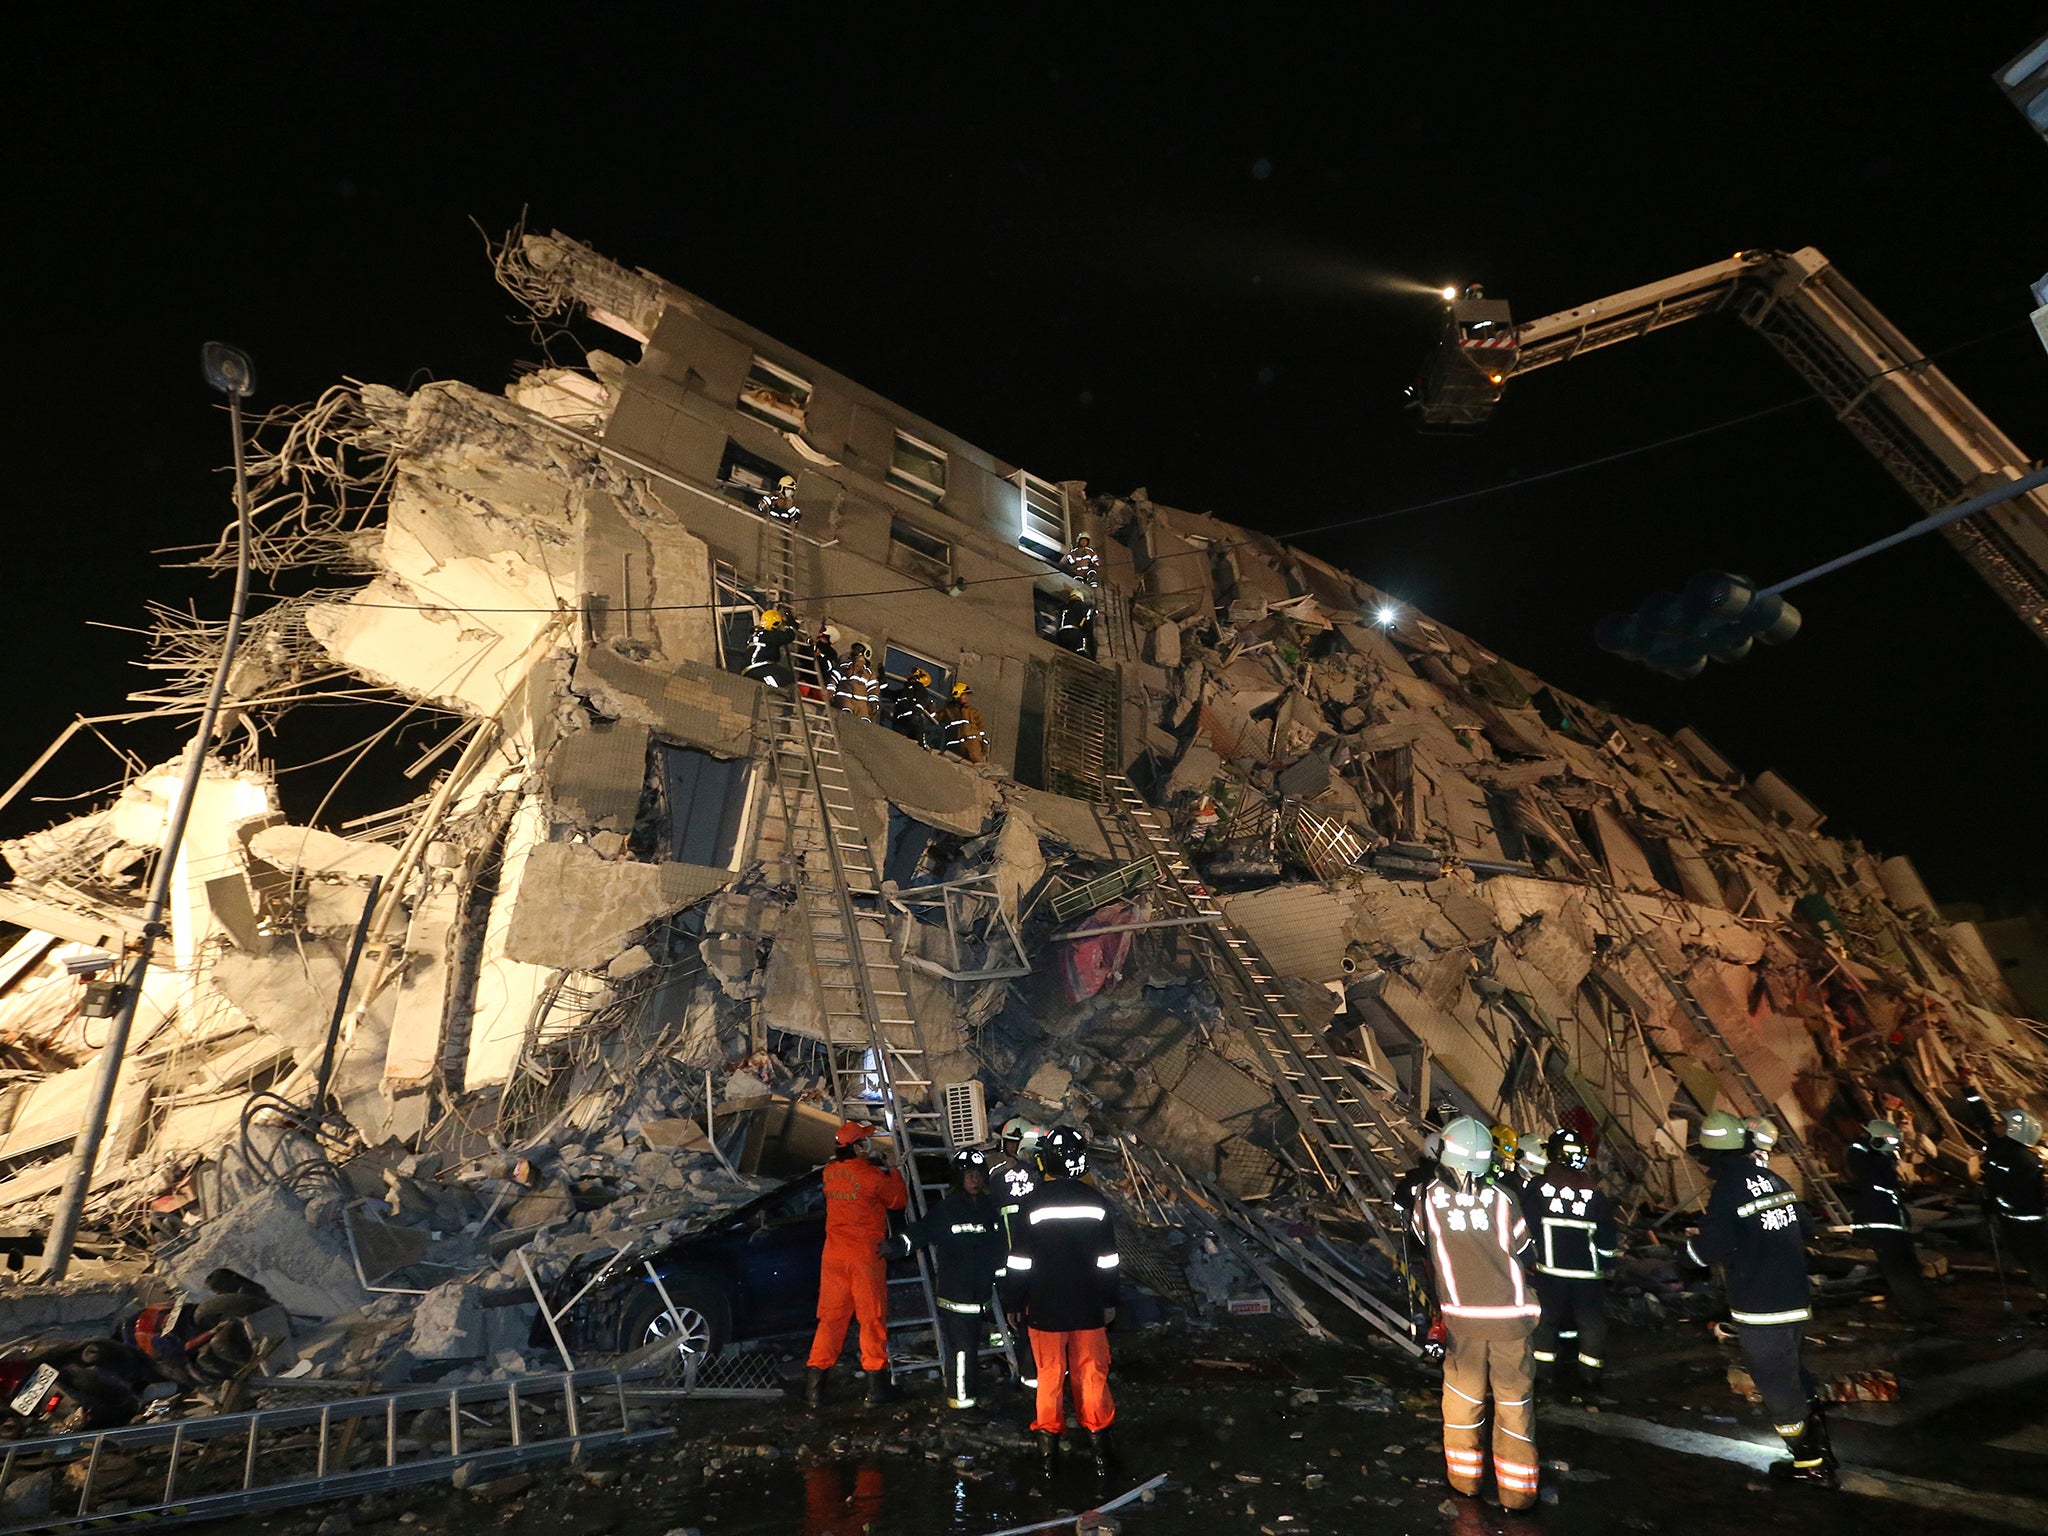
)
(1084, 539)
(786, 483)
(1507, 1146)
(773, 619)
(959, 690)
(919, 676)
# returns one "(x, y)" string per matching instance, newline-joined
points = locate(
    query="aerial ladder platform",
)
(1902, 408)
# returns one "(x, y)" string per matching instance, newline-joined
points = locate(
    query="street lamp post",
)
(228, 370)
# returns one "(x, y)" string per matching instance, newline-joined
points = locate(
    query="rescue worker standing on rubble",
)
(1478, 1242)
(853, 1274)
(1572, 1225)
(2015, 1199)
(965, 735)
(1877, 1215)
(767, 648)
(854, 688)
(1016, 1176)
(1754, 1230)
(1063, 1269)
(908, 708)
(964, 1231)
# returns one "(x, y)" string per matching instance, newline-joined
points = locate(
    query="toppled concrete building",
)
(1274, 868)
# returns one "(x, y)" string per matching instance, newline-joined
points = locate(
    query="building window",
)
(897, 662)
(775, 395)
(747, 477)
(917, 553)
(704, 800)
(917, 467)
(1041, 517)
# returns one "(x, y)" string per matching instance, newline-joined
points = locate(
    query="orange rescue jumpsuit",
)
(853, 1278)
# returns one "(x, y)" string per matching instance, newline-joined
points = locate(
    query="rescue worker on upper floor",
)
(964, 1231)
(1572, 1223)
(1754, 1230)
(1082, 562)
(1075, 630)
(780, 503)
(855, 689)
(1478, 1243)
(825, 655)
(853, 1275)
(965, 734)
(909, 709)
(767, 658)
(1877, 1215)
(1063, 1268)
(2015, 1199)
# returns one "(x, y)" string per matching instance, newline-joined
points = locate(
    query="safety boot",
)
(880, 1388)
(1813, 1455)
(1102, 1445)
(1048, 1448)
(814, 1386)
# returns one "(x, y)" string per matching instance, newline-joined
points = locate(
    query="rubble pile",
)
(583, 999)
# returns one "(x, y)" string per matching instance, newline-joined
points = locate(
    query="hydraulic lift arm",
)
(1900, 406)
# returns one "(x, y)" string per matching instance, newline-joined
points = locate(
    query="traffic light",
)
(1717, 617)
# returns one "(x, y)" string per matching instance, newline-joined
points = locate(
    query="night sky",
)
(1108, 243)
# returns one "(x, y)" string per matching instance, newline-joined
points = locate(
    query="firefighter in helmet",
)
(965, 735)
(1572, 1223)
(855, 689)
(780, 503)
(767, 650)
(1082, 562)
(2015, 1198)
(1477, 1240)
(964, 1231)
(1877, 1214)
(909, 709)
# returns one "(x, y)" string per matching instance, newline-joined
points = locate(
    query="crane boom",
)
(1901, 407)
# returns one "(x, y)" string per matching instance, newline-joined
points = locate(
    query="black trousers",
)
(1574, 1323)
(1772, 1350)
(1899, 1262)
(2026, 1241)
(961, 1335)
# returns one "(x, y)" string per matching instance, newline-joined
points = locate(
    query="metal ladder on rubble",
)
(1556, 824)
(874, 1048)
(1354, 1138)
(176, 1471)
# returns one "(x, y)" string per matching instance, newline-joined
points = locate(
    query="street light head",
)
(1386, 615)
(1449, 291)
(228, 369)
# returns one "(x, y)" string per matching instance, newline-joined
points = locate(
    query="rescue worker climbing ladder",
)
(1572, 1225)
(964, 1231)
(853, 1275)
(1477, 1242)
(1063, 1267)
(766, 650)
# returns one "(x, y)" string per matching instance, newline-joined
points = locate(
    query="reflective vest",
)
(1476, 1237)
(1572, 1225)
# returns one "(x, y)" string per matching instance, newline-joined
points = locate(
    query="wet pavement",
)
(1259, 1430)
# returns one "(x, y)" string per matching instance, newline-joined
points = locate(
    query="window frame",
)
(1024, 480)
(916, 485)
(798, 420)
(738, 455)
(914, 561)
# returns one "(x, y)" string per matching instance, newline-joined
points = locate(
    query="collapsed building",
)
(1273, 869)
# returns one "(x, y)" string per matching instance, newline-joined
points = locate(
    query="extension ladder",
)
(1554, 822)
(176, 1471)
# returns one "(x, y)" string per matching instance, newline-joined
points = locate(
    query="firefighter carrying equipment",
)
(964, 1233)
(853, 1277)
(1468, 1146)
(1063, 1270)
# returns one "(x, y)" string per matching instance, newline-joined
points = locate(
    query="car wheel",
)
(703, 1313)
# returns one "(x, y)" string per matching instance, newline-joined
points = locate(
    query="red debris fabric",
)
(1089, 965)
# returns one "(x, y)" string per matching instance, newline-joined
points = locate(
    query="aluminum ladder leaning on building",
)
(874, 1049)
(176, 1471)
(1555, 823)
(1357, 1141)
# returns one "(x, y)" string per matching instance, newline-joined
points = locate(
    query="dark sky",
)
(1109, 243)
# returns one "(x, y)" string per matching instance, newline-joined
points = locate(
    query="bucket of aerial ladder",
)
(1475, 352)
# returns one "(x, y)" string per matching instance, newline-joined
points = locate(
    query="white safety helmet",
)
(2023, 1126)
(1468, 1146)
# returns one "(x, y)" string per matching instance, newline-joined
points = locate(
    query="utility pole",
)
(228, 370)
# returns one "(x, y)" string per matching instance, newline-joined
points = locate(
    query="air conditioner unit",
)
(966, 1111)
